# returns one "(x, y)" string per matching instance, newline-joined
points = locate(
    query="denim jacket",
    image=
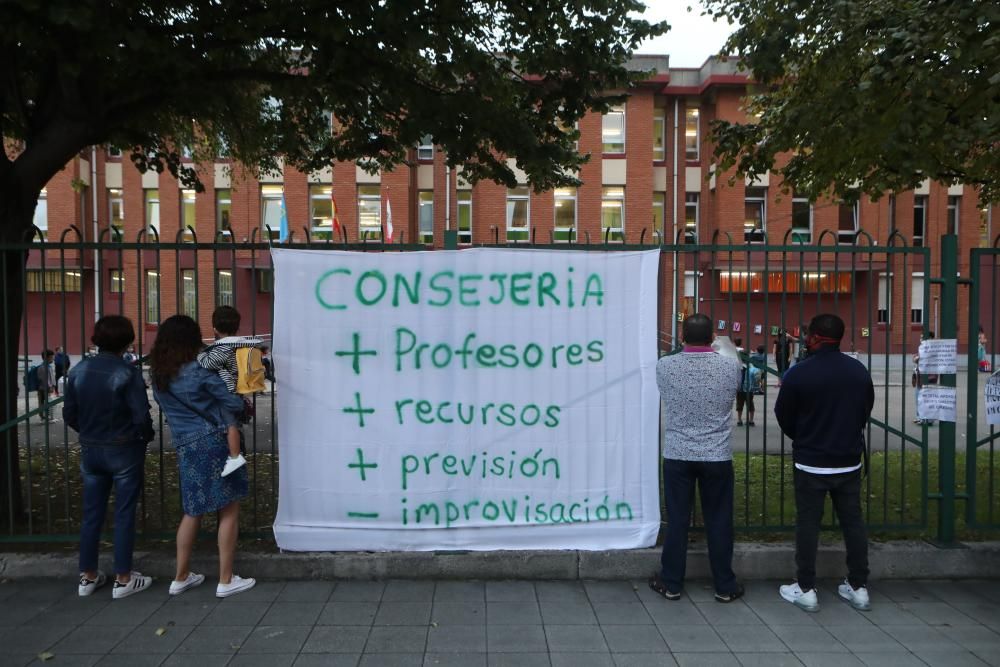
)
(196, 387)
(106, 402)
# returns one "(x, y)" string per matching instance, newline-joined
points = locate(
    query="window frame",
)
(917, 277)
(848, 236)
(616, 235)
(425, 202)
(521, 193)
(562, 233)
(220, 292)
(118, 199)
(323, 193)
(660, 118)
(271, 193)
(608, 147)
(40, 217)
(751, 234)
(953, 214)
(116, 281)
(425, 151)
(53, 281)
(463, 202)
(883, 303)
(224, 204)
(149, 202)
(797, 233)
(692, 149)
(189, 293)
(919, 204)
(372, 195)
(697, 216)
(152, 293)
(659, 206)
(188, 202)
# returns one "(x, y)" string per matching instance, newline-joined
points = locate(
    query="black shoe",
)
(736, 594)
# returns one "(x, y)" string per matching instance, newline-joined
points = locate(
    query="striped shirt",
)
(220, 357)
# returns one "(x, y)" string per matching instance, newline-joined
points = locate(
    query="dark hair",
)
(226, 320)
(697, 329)
(827, 325)
(264, 348)
(113, 333)
(177, 342)
(738, 342)
(760, 349)
(46, 353)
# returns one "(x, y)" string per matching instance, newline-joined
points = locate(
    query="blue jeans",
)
(100, 467)
(715, 483)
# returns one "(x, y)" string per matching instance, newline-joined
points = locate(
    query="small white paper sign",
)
(938, 403)
(993, 399)
(938, 356)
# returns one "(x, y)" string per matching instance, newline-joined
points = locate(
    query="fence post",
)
(946, 431)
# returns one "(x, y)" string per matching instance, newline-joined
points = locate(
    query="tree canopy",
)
(881, 93)
(259, 79)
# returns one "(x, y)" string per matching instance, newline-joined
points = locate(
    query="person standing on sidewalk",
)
(823, 406)
(46, 384)
(699, 387)
(61, 364)
(106, 404)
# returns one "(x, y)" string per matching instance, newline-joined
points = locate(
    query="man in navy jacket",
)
(823, 406)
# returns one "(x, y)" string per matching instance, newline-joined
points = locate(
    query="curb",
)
(892, 560)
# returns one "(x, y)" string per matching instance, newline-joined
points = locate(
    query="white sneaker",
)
(232, 465)
(236, 585)
(178, 587)
(136, 584)
(802, 599)
(88, 586)
(856, 597)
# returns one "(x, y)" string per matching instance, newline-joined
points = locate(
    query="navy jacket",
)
(823, 406)
(106, 402)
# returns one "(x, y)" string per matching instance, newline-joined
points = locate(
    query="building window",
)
(187, 209)
(659, 215)
(272, 199)
(518, 214)
(776, 282)
(114, 152)
(116, 211)
(116, 281)
(152, 199)
(425, 149)
(919, 219)
(847, 224)
(954, 204)
(321, 211)
(692, 133)
(224, 289)
(659, 135)
(917, 299)
(892, 213)
(755, 215)
(464, 198)
(41, 219)
(691, 213)
(984, 227)
(425, 200)
(152, 297)
(53, 280)
(613, 213)
(613, 130)
(884, 315)
(802, 219)
(223, 210)
(265, 281)
(189, 294)
(369, 212)
(564, 223)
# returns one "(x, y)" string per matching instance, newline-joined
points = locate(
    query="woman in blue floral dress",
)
(199, 409)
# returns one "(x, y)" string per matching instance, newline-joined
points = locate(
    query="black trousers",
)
(715, 484)
(810, 495)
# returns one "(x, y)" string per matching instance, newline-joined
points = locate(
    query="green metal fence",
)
(760, 286)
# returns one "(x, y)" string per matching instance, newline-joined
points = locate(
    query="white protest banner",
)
(938, 356)
(939, 403)
(474, 399)
(993, 399)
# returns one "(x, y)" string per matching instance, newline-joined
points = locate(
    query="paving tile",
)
(750, 639)
(460, 591)
(72, 611)
(643, 660)
(336, 639)
(890, 613)
(215, 639)
(829, 660)
(692, 639)
(403, 613)
(706, 659)
(768, 660)
(455, 660)
(515, 639)
(122, 660)
(392, 660)
(781, 613)
(921, 638)
(262, 660)
(348, 613)
(876, 659)
(865, 639)
(306, 591)
(674, 612)
(327, 660)
(20, 611)
(699, 591)
(983, 612)
(357, 591)
(518, 660)
(975, 638)
(31, 639)
(567, 613)
(622, 613)
(510, 591)
(276, 639)
(832, 612)
(180, 614)
(992, 659)
(397, 639)
(512, 613)
(458, 613)
(125, 612)
(560, 591)
(623, 638)
(77, 660)
(575, 638)
(457, 639)
(734, 613)
(906, 591)
(952, 591)
(404, 590)
(202, 593)
(807, 639)
(204, 660)
(144, 639)
(611, 591)
(581, 660)
(292, 613)
(950, 658)
(263, 591)
(95, 639)
(938, 613)
(245, 613)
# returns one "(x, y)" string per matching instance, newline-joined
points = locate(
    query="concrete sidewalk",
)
(476, 623)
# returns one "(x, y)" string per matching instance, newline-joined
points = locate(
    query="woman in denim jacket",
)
(106, 404)
(199, 409)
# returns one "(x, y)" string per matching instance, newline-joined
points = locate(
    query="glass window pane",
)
(613, 213)
(270, 209)
(370, 211)
(189, 300)
(754, 215)
(41, 219)
(692, 137)
(565, 215)
(464, 216)
(613, 130)
(224, 289)
(426, 210)
(223, 210)
(659, 212)
(153, 209)
(691, 213)
(518, 222)
(152, 297)
(321, 211)
(187, 209)
(659, 139)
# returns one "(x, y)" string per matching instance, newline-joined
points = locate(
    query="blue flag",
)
(283, 231)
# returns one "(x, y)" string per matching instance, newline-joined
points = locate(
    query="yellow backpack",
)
(251, 371)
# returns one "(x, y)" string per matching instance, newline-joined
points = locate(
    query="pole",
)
(946, 431)
(673, 240)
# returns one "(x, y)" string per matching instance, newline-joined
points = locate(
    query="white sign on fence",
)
(993, 399)
(475, 399)
(938, 403)
(938, 356)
